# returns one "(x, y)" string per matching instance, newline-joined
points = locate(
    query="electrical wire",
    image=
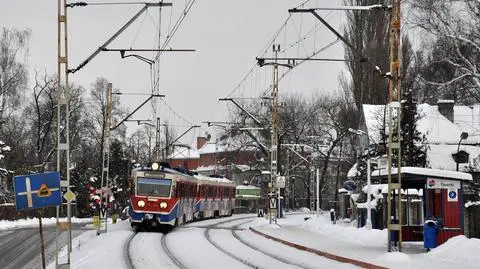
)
(176, 26)
(299, 63)
(138, 31)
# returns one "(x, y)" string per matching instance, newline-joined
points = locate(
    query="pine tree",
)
(413, 146)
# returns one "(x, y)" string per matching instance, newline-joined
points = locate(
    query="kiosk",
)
(441, 200)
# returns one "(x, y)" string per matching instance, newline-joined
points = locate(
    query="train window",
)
(158, 187)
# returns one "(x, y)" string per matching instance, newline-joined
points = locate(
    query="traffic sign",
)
(350, 185)
(273, 203)
(103, 213)
(281, 182)
(69, 196)
(37, 190)
(452, 195)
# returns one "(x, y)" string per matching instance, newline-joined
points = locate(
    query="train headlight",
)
(155, 166)
(163, 205)
(141, 203)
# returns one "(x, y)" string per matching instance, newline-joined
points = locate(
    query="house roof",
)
(441, 134)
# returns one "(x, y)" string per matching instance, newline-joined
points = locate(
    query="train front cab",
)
(152, 203)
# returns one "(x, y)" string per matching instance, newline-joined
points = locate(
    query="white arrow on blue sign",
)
(37, 190)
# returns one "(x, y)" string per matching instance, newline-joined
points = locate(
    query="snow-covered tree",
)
(454, 27)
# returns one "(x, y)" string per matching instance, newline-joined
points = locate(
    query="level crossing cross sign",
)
(37, 190)
(273, 202)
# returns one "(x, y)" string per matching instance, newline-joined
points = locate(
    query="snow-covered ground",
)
(343, 239)
(33, 222)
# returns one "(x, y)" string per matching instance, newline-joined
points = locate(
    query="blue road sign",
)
(349, 185)
(37, 190)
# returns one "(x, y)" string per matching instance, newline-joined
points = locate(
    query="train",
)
(163, 197)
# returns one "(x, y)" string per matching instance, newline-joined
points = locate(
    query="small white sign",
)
(435, 183)
(280, 182)
(273, 203)
(382, 162)
(452, 195)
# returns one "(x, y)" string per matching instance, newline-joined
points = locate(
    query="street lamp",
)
(369, 211)
(463, 135)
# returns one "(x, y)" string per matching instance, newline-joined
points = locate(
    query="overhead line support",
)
(339, 36)
(184, 133)
(114, 36)
(395, 218)
(136, 109)
(257, 121)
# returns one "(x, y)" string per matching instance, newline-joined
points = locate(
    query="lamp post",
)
(463, 135)
(369, 211)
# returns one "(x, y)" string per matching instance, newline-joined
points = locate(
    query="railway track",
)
(276, 257)
(126, 252)
(170, 255)
(206, 233)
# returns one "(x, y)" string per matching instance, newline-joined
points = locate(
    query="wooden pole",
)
(42, 245)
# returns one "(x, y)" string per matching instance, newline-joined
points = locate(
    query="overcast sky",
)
(227, 36)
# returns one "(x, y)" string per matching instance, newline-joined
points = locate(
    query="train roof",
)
(189, 174)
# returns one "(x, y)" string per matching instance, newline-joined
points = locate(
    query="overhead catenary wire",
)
(272, 40)
(176, 26)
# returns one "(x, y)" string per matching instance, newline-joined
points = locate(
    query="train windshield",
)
(158, 187)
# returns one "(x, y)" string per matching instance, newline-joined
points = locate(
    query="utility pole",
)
(274, 134)
(105, 159)
(167, 142)
(287, 183)
(274, 130)
(63, 134)
(394, 149)
(157, 140)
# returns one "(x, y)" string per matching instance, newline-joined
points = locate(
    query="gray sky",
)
(227, 35)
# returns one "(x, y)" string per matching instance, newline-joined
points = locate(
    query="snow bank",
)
(29, 223)
(346, 232)
(460, 249)
(92, 251)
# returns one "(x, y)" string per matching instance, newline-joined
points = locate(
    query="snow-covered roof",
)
(376, 189)
(440, 157)
(353, 172)
(211, 147)
(247, 187)
(243, 167)
(427, 172)
(441, 134)
(207, 168)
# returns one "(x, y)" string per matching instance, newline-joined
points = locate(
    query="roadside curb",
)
(321, 253)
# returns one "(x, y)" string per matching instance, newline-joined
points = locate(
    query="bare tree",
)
(98, 112)
(40, 116)
(454, 25)
(13, 74)
(331, 125)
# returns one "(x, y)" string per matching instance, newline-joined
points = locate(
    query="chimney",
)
(445, 107)
(201, 141)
